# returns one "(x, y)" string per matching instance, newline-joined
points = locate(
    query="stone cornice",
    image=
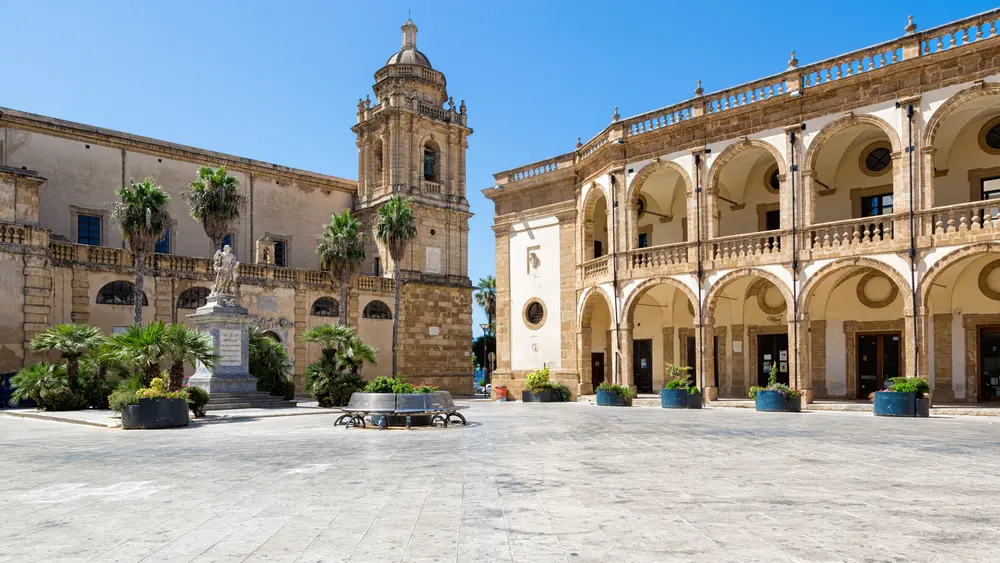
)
(116, 139)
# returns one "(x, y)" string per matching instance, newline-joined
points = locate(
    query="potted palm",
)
(540, 389)
(611, 395)
(675, 394)
(776, 397)
(905, 396)
(157, 408)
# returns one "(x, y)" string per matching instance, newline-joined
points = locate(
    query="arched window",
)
(272, 336)
(377, 310)
(432, 156)
(326, 307)
(119, 293)
(192, 298)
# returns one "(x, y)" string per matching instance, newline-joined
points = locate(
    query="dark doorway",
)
(691, 354)
(596, 368)
(642, 358)
(878, 361)
(598, 249)
(771, 349)
(772, 220)
(715, 366)
(989, 363)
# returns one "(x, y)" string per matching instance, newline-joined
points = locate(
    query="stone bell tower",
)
(411, 141)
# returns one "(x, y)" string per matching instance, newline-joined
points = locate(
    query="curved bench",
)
(438, 405)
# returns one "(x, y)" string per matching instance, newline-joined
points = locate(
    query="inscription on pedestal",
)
(230, 347)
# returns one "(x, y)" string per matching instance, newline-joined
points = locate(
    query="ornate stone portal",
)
(229, 324)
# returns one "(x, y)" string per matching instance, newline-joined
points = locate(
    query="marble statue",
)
(225, 266)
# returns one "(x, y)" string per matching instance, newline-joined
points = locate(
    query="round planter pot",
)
(771, 401)
(694, 400)
(794, 404)
(674, 398)
(609, 399)
(891, 403)
(156, 413)
(923, 406)
(543, 396)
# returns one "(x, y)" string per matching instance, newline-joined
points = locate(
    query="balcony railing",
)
(964, 218)
(596, 268)
(753, 245)
(659, 256)
(432, 187)
(853, 234)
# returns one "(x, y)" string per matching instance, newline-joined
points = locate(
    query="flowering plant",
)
(425, 388)
(158, 390)
(773, 385)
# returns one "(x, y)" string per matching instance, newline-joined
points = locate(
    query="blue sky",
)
(279, 81)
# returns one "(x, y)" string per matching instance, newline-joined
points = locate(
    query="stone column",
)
(626, 375)
(943, 383)
(799, 359)
(584, 344)
(704, 336)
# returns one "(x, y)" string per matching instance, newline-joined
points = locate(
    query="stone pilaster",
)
(37, 295)
(80, 297)
(704, 337)
(301, 325)
(817, 358)
(737, 366)
(567, 297)
(163, 298)
(626, 374)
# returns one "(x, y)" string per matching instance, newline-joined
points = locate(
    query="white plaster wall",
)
(530, 348)
(836, 351)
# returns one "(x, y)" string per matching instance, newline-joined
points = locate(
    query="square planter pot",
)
(674, 398)
(923, 407)
(156, 413)
(543, 396)
(771, 401)
(609, 399)
(694, 400)
(892, 403)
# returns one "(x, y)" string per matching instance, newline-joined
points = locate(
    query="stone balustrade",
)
(960, 33)
(848, 65)
(536, 169)
(432, 187)
(745, 94)
(596, 268)
(64, 254)
(592, 145)
(965, 218)
(852, 236)
(659, 256)
(658, 119)
(410, 71)
(736, 249)
(433, 112)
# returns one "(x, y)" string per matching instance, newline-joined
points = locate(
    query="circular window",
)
(534, 314)
(640, 206)
(771, 179)
(876, 159)
(989, 136)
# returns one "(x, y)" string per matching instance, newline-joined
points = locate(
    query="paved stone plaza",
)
(531, 482)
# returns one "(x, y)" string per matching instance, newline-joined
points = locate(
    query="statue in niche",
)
(225, 266)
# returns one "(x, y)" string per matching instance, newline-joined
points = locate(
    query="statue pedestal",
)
(229, 325)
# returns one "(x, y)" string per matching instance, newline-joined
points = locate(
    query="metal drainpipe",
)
(795, 266)
(701, 309)
(614, 275)
(913, 243)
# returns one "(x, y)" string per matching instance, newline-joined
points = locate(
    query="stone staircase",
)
(260, 400)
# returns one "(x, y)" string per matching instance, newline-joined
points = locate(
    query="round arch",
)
(586, 220)
(815, 281)
(832, 129)
(712, 297)
(950, 259)
(589, 301)
(952, 104)
(734, 150)
(635, 186)
(640, 290)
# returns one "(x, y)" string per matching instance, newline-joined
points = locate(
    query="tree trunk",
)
(72, 369)
(343, 300)
(176, 376)
(395, 313)
(149, 373)
(140, 283)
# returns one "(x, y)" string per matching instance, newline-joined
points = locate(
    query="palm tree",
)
(143, 216)
(185, 345)
(269, 363)
(35, 378)
(486, 297)
(341, 251)
(216, 201)
(395, 228)
(142, 348)
(71, 341)
(337, 374)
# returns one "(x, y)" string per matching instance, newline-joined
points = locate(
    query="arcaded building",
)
(840, 219)
(62, 258)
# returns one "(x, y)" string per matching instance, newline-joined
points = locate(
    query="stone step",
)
(259, 400)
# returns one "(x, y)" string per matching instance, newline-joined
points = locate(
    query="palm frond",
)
(214, 199)
(396, 225)
(142, 214)
(69, 340)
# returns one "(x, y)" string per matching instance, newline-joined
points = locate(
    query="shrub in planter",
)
(776, 397)
(60, 399)
(121, 398)
(157, 408)
(675, 393)
(384, 384)
(94, 390)
(694, 397)
(611, 395)
(197, 399)
(903, 397)
(425, 388)
(540, 389)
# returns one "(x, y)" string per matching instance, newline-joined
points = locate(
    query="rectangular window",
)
(772, 220)
(88, 230)
(163, 245)
(875, 205)
(643, 240)
(377, 266)
(598, 249)
(990, 188)
(280, 253)
(430, 165)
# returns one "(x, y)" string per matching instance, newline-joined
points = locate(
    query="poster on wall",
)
(783, 367)
(783, 355)
(737, 346)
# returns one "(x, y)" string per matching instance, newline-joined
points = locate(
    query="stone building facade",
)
(62, 258)
(840, 219)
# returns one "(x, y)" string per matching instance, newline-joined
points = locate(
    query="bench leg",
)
(460, 417)
(383, 422)
(409, 425)
(342, 420)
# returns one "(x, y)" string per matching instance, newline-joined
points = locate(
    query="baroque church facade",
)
(837, 220)
(62, 258)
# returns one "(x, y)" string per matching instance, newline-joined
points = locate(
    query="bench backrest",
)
(373, 401)
(441, 400)
(412, 402)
